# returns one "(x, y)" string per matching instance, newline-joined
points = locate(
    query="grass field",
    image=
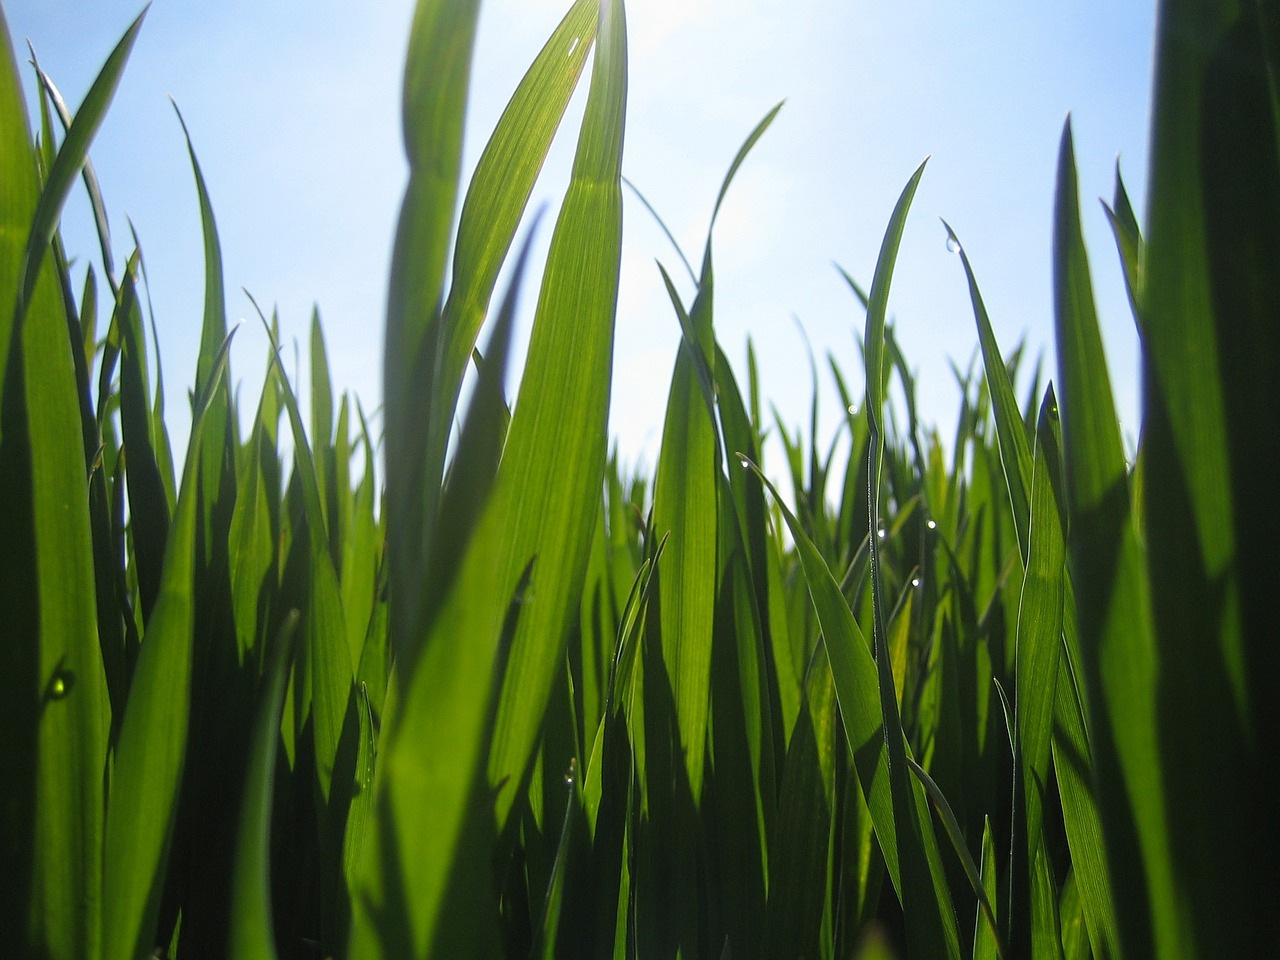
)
(1009, 695)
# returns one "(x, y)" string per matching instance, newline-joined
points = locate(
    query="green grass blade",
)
(1112, 593)
(54, 708)
(553, 466)
(252, 936)
(437, 76)
(856, 683)
(685, 506)
(501, 186)
(1015, 449)
(150, 753)
(1210, 302)
(931, 923)
(70, 161)
(328, 657)
(1039, 633)
(956, 836)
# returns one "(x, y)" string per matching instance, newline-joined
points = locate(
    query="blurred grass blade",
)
(437, 77)
(1210, 299)
(252, 936)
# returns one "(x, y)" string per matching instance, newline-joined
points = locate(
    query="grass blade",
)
(252, 936)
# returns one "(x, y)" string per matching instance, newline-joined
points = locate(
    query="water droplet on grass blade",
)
(61, 684)
(881, 532)
(953, 245)
(932, 524)
(915, 581)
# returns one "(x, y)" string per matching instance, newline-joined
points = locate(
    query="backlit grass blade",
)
(1015, 449)
(327, 655)
(252, 935)
(437, 75)
(553, 467)
(1124, 225)
(931, 923)
(148, 503)
(54, 709)
(1039, 633)
(685, 503)
(151, 751)
(1112, 594)
(856, 683)
(499, 193)
(685, 506)
(69, 162)
(1210, 300)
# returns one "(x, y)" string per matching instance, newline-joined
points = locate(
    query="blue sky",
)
(294, 113)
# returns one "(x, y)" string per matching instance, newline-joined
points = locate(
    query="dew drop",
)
(881, 532)
(915, 581)
(61, 684)
(571, 774)
(953, 245)
(932, 524)
(853, 409)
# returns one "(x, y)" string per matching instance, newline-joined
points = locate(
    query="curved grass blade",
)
(251, 935)
(69, 162)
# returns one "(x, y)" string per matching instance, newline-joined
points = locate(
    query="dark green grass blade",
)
(55, 713)
(553, 466)
(856, 684)
(1112, 593)
(148, 503)
(1210, 301)
(1039, 633)
(328, 658)
(1015, 448)
(1124, 226)
(931, 923)
(150, 754)
(986, 907)
(252, 935)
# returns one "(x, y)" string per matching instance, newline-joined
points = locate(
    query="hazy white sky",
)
(293, 109)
